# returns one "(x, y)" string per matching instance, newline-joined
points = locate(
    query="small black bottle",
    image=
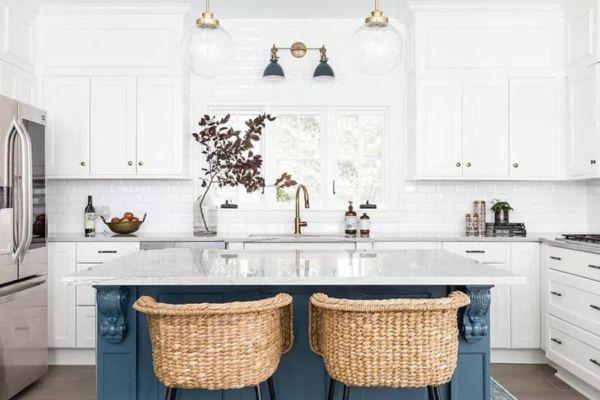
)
(90, 219)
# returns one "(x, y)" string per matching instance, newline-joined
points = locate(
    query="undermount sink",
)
(297, 237)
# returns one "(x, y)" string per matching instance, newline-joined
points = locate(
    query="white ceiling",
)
(293, 8)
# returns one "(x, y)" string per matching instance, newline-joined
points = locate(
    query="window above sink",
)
(339, 153)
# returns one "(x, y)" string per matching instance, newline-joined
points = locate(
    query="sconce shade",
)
(274, 70)
(324, 70)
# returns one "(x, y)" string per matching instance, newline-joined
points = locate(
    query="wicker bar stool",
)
(399, 343)
(218, 346)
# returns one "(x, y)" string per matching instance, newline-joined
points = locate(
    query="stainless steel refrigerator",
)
(23, 253)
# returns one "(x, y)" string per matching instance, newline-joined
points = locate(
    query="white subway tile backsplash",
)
(169, 205)
(427, 207)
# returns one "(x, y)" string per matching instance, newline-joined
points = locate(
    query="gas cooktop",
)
(587, 238)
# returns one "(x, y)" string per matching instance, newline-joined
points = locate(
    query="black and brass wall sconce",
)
(298, 50)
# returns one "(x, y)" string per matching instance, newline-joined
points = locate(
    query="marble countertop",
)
(282, 238)
(135, 237)
(571, 245)
(187, 267)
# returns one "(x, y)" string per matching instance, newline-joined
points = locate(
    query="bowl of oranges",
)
(125, 225)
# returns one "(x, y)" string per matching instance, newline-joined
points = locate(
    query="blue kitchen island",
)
(124, 357)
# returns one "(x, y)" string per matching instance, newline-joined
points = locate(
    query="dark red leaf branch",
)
(230, 156)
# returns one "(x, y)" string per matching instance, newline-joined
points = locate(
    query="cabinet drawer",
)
(479, 251)
(86, 327)
(575, 300)
(200, 245)
(102, 252)
(407, 245)
(573, 262)
(575, 350)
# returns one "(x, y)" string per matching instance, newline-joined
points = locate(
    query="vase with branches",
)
(231, 159)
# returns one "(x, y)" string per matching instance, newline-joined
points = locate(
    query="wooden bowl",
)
(124, 228)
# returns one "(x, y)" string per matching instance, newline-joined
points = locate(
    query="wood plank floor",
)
(533, 382)
(526, 382)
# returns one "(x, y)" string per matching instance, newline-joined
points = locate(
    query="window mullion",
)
(330, 158)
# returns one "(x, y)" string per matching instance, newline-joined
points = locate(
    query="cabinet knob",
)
(593, 162)
(469, 165)
(458, 165)
(141, 163)
(516, 165)
(130, 163)
(82, 163)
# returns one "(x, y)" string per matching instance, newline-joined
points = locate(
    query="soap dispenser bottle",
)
(351, 221)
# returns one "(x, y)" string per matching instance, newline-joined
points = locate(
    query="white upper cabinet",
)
(113, 126)
(533, 126)
(17, 36)
(582, 41)
(8, 80)
(159, 130)
(485, 128)
(17, 83)
(462, 129)
(439, 128)
(582, 88)
(494, 128)
(67, 102)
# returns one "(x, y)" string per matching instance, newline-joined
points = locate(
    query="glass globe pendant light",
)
(377, 46)
(207, 48)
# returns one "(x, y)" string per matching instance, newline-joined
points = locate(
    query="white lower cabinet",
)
(86, 295)
(407, 246)
(575, 350)
(525, 314)
(572, 312)
(515, 311)
(72, 309)
(86, 327)
(500, 316)
(62, 318)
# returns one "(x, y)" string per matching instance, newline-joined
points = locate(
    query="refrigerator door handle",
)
(9, 151)
(27, 185)
(25, 233)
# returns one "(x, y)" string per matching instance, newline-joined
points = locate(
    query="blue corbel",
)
(112, 312)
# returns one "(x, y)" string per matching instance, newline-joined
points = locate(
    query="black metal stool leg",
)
(431, 393)
(436, 392)
(271, 388)
(173, 393)
(168, 394)
(346, 395)
(331, 389)
(257, 392)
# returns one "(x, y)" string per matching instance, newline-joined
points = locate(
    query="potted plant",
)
(501, 211)
(230, 158)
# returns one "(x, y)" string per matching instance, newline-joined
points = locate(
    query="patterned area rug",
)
(499, 392)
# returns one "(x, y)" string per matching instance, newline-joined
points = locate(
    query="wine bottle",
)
(90, 219)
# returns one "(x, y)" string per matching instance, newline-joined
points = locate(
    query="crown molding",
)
(121, 8)
(481, 6)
